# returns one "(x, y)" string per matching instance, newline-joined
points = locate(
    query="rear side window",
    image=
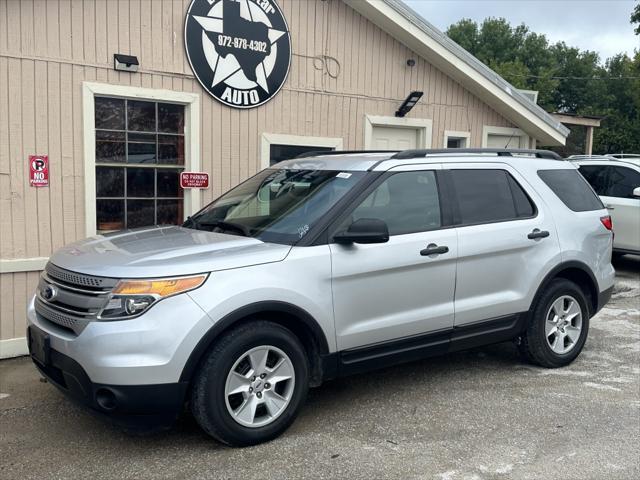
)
(486, 196)
(597, 176)
(572, 189)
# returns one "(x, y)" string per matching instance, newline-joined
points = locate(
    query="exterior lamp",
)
(409, 103)
(125, 63)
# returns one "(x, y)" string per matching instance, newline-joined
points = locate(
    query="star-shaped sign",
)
(228, 66)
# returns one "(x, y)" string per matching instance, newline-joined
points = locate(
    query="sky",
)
(598, 25)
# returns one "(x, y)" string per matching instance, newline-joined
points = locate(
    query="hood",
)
(163, 252)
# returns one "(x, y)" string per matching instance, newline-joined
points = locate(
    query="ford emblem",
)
(49, 292)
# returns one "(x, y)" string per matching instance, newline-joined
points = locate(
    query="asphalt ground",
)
(481, 414)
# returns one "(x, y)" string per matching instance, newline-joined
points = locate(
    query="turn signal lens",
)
(607, 222)
(163, 287)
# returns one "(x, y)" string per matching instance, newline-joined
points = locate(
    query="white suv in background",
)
(617, 181)
(322, 267)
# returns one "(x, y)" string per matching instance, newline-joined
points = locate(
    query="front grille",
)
(79, 279)
(78, 298)
(62, 319)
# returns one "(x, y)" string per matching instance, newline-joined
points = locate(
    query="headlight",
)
(132, 297)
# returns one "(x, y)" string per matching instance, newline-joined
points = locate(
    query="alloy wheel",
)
(259, 386)
(563, 324)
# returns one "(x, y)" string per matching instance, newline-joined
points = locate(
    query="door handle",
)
(610, 207)
(537, 233)
(433, 249)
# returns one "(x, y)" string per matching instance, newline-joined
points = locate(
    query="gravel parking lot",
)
(475, 415)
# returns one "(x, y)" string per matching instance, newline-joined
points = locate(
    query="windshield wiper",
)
(221, 224)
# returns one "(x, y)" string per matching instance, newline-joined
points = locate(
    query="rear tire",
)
(558, 326)
(232, 399)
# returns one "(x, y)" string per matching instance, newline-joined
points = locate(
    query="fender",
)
(575, 264)
(247, 311)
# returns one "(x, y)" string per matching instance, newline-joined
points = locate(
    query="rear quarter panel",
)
(582, 236)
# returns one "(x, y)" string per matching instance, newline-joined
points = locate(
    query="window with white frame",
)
(277, 147)
(454, 139)
(139, 154)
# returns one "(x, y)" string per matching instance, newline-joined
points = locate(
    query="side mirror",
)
(636, 192)
(365, 230)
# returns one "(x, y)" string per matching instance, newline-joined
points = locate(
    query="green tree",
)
(635, 18)
(568, 79)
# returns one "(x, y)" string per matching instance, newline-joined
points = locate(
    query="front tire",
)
(558, 327)
(252, 384)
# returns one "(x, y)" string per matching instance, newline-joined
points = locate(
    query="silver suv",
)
(321, 267)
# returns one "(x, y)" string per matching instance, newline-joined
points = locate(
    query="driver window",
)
(407, 202)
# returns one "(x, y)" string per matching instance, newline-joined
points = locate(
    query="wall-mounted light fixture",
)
(125, 63)
(411, 62)
(409, 103)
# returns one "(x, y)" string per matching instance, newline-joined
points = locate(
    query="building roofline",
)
(403, 23)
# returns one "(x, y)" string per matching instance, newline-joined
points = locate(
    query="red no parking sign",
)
(39, 170)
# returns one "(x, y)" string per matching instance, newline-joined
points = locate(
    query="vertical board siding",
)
(343, 68)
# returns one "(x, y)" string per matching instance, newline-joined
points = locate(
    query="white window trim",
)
(13, 265)
(516, 132)
(457, 134)
(423, 125)
(13, 347)
(267, 139)
(192, 139)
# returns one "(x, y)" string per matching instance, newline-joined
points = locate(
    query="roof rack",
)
(500, 152)
(318, 153)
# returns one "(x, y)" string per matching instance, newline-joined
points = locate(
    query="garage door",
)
(503, 141)
(394, 138)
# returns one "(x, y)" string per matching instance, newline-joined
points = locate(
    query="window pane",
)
(140, 182)
(171, 149)
(140, 213)
(109, 215)
(408, 203)
(596, 175)
(170, 212)
(141, 148)
(572, 189)
(109, 182)
(169, 183)
(170, 118)
(109, 113)
(141, 116)
(454, 143)
(622, 181)
(110, 147)
(483, 196)
(285, 152)
(524, 206)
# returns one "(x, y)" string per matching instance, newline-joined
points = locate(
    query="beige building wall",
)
(343, 68)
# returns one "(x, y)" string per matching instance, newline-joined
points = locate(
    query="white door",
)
(503, 141)
(623, 206)
(615, 184)
(395, 290)
(394, 138)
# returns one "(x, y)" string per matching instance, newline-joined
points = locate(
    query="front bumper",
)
(148, 350)
(137, 406)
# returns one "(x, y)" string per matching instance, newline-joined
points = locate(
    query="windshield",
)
(278, 206)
